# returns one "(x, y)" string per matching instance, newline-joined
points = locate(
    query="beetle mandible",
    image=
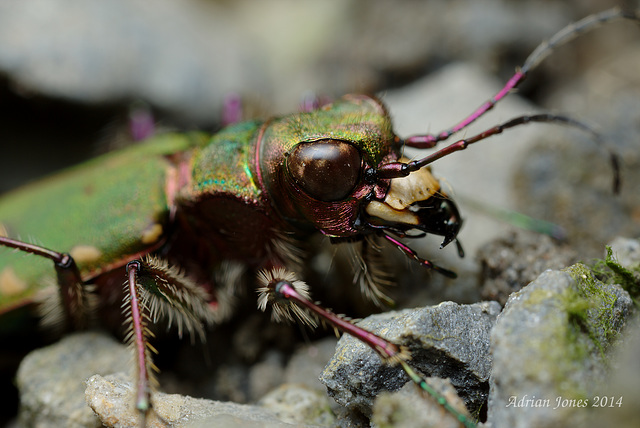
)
(188, 213)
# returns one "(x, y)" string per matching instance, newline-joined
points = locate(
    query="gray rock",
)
(265, 375)
(297, 403)
(447, 341)
(306, 364)
(567, 179)
(53, 393)
(510, 263)
(110, 397)
(549, 348)
(618, 403)
(51, 380)
(409, 408)
(627, 252)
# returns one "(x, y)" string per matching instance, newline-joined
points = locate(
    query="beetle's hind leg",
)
(73, 291)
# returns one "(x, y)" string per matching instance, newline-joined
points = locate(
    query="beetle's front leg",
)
(282, 289)
(288, 294)
(156, 290)
(138, 335)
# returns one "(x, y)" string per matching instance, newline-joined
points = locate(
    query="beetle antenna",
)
(522, 120)
(399, 169)
(535, 58)
(572, 31)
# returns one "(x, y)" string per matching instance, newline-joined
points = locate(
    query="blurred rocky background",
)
(72, 74)
(72, 70)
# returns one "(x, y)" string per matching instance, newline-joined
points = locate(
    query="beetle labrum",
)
(188, 213)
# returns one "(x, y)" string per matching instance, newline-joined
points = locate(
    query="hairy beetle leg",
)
(288, 290)
(155, 290)
(389, 352)
(138, 335)
(280, 285)
(71, 286)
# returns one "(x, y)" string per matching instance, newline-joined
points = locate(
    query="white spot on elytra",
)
(10, 284)
(151, 234)
(85, 253)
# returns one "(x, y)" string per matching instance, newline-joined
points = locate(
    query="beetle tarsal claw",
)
(403, 354)
(283, 309)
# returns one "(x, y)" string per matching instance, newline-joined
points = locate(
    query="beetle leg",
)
(138, 336)
(282, 310)
(311, 101)
(232, 109)
(283, 287)
(532, 61)
(73, 294)
(280, 286)
(411, 253)
(141, 121)
(156, 290)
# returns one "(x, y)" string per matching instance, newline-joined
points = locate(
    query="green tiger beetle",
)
(169, 215)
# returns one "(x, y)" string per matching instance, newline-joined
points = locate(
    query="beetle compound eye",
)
(327, 170)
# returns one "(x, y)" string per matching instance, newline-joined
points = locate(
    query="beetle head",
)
(320, 171)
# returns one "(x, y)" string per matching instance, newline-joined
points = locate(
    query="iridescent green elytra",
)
(119, 206)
